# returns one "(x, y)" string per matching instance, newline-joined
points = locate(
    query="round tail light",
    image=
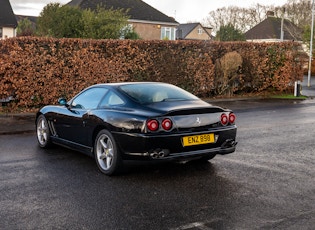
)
(232, 118)
(153, 125)
(167, 124)
(224, 119)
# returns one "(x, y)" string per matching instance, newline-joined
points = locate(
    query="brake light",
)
(224, 119)
(153, 125)
(232, 118)
(167, 124)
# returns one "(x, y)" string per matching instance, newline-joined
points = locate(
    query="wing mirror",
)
(62, 101)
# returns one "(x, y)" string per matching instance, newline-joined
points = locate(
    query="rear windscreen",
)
(156, 92)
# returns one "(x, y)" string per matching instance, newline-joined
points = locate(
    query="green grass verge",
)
(288, 96)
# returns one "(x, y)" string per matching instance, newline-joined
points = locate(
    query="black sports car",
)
(142, 120)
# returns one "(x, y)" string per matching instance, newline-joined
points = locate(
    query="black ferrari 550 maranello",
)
(143, 120)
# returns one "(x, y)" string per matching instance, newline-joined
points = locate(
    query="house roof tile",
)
(270, 28)
(137, 9)
(7, 17)
(186, 28)
(183, 30)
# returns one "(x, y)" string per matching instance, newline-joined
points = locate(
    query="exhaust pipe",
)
(159, 153)
(154, 155)
(229, 143)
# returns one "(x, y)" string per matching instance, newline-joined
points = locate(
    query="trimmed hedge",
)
(37, 71)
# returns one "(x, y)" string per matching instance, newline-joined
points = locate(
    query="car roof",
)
(128, 83)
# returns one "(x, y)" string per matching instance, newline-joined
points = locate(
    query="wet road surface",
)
(267, 184)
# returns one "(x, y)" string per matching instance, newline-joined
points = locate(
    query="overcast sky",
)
(182, 10)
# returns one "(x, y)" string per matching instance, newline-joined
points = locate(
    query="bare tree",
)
(241, 18)
(297, 11)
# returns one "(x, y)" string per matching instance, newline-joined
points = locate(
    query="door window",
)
(89, 99)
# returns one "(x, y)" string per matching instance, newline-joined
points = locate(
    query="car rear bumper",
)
(169, 146)
(198, 153)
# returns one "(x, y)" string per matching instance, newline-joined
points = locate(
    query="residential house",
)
(146, 21)
(270, 29)
(193, 31)
(8, 21)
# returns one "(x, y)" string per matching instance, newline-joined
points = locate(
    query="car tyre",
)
(106, 153)
(43, 132)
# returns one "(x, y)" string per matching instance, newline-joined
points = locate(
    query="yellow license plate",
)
(198, 139)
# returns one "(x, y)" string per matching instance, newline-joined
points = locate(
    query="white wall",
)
(8, 32)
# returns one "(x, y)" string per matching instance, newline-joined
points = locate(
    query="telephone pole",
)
(311, 49)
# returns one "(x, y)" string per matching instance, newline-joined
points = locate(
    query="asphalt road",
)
(268, 183)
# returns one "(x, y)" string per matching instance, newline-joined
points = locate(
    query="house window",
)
(200, 30)
(168, 33)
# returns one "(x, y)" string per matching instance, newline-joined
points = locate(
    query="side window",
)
(200, 31)
(111, 99)
(168, 33)
(89, 99)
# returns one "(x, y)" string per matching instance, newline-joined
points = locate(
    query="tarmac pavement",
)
(17, 123)
(25, 122)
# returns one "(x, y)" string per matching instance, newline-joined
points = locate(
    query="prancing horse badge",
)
(198, 120)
